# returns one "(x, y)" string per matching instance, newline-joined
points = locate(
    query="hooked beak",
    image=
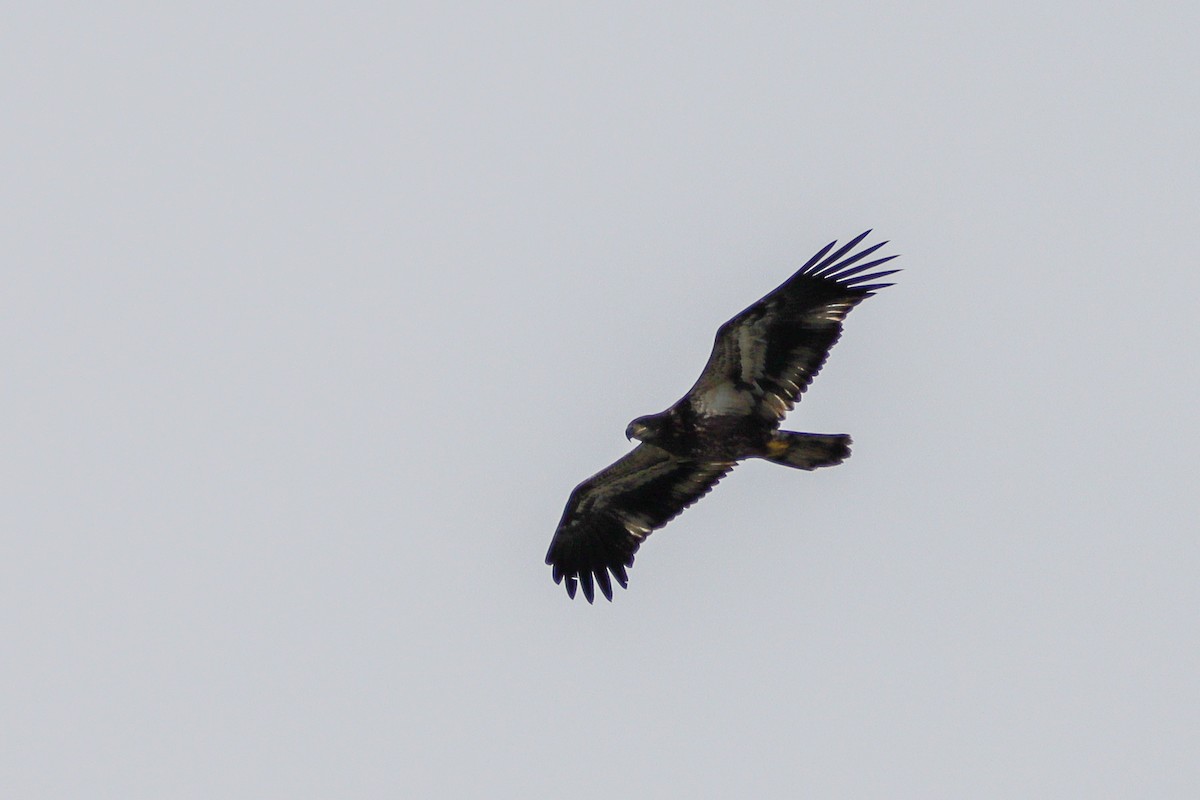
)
(635, 430)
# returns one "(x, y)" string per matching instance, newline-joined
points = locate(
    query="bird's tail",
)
(808, 450)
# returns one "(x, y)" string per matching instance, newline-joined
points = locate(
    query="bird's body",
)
(762, 360)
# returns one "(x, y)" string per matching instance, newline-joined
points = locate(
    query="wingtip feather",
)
(816, 257)
(883, 274)
(837, 270)
(605, 583)
(841, 251)
(841, 275)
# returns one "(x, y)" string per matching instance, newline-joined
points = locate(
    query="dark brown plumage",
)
(762, 361)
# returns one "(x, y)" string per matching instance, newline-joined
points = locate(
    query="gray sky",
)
(312, 320)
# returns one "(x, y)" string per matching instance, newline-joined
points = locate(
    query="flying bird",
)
(762, 361)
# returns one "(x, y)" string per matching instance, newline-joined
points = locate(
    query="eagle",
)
(762, 361)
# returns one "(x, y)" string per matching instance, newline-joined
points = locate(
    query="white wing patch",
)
(751, 351)
(829, 314)
(639, 527)
(775, 406)
(724, 399)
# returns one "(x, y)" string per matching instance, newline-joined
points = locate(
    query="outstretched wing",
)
(609, 515)
(780, 343)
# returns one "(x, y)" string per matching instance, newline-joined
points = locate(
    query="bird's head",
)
(645, 429)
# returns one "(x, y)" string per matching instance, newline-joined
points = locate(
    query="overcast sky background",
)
(312, 318)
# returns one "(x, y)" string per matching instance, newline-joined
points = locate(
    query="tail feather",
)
(808, 450)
